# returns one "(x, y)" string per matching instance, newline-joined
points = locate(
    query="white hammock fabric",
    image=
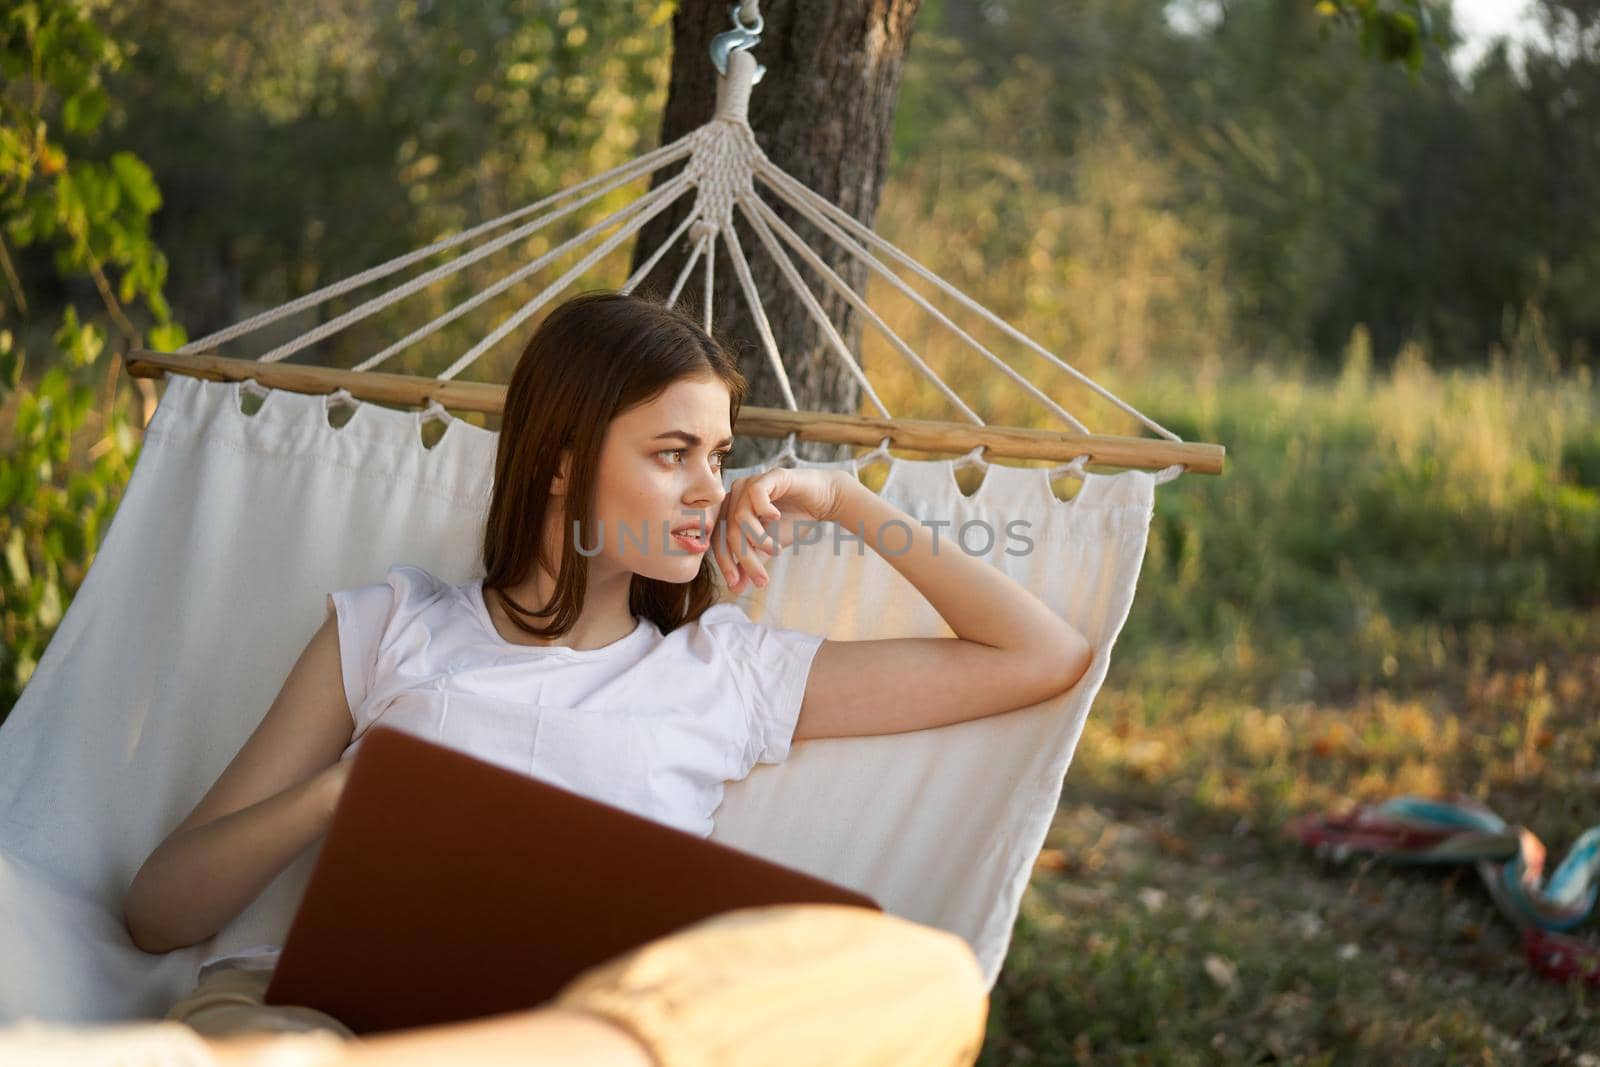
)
(212, 576)
(211, 579)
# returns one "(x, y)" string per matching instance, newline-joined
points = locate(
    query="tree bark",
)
(823, 112)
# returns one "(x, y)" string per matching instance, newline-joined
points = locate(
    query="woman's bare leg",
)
(781, 986)
(542, 1036)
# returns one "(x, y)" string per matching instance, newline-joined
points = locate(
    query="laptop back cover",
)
(449, 888)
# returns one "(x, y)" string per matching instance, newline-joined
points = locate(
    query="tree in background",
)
(1322, 167)
(823, 112)
(299, 150)
(1135, 183)
(82, 285)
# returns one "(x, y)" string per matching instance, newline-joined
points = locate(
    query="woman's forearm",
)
(979, 602)
(199, 880)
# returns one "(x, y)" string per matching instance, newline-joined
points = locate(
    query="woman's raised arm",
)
(1010, 650)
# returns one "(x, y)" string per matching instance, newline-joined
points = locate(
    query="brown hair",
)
(592, 358)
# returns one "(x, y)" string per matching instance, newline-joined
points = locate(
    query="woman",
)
(596, 654)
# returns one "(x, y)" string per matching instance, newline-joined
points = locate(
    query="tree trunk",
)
(823, 112)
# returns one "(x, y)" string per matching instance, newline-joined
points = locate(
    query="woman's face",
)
(660, 471)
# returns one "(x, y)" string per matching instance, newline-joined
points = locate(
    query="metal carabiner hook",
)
(740, 38)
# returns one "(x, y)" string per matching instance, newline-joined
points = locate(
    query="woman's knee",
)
(846, 985)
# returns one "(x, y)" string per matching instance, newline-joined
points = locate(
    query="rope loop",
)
(342, 395)
(1167, 474)
(747, 9)
(1074, 466)
(255, 388)
(787, 451)
(434, 411)
(974, 458)
(872, 455)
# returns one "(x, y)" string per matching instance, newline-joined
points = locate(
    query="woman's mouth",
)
(692, 539)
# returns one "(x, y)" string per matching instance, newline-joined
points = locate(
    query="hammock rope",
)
(638, 209)
(722, 162)
(659, 157)
(659, 200)
(864, 256)
(765, 214)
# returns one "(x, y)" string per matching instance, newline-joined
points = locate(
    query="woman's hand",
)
(757, 518)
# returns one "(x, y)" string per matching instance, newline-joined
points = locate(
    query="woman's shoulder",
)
(415, 579)
(404, 589)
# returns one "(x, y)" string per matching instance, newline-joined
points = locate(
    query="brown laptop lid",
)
(448, 888)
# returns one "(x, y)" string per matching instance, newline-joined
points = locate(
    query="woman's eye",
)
(721, 457)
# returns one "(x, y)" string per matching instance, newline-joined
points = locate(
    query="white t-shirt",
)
(655, 724)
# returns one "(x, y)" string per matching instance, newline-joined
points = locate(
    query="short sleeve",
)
(367, 616)
(769, 666)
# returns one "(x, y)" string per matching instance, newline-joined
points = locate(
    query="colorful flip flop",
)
(1510, 859)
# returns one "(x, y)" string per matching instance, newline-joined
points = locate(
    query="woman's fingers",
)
(725, 556)
(723, 534)
(742, 545)
(750, 557)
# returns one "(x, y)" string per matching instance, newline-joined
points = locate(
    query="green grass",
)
(1392, 589)
(1143, 946)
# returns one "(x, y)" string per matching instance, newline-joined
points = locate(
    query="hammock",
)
(235, 524)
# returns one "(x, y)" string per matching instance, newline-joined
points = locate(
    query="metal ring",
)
(734, 13)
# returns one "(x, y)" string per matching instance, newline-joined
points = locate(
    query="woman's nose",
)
(710, 491)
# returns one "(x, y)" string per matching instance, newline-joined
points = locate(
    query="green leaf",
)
(10, 361)
(28, 15)
(43, 218)
(69, 326)
(80, 343)
(160, 309)
(17, 558)
(20, 229)
(10, 483)
(49, 611)
(137, 181)
(101, 191)
(82, 111)
(1400, 39)
(167, 337)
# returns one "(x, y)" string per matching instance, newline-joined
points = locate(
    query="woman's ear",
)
(558, 483)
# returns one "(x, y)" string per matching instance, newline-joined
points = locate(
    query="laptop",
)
(449, 888)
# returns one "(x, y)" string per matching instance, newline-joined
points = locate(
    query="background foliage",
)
(1303, 230)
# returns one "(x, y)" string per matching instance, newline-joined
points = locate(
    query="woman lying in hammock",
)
(596, 654)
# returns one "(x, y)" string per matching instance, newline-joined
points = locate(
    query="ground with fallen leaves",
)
(1170, 920)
